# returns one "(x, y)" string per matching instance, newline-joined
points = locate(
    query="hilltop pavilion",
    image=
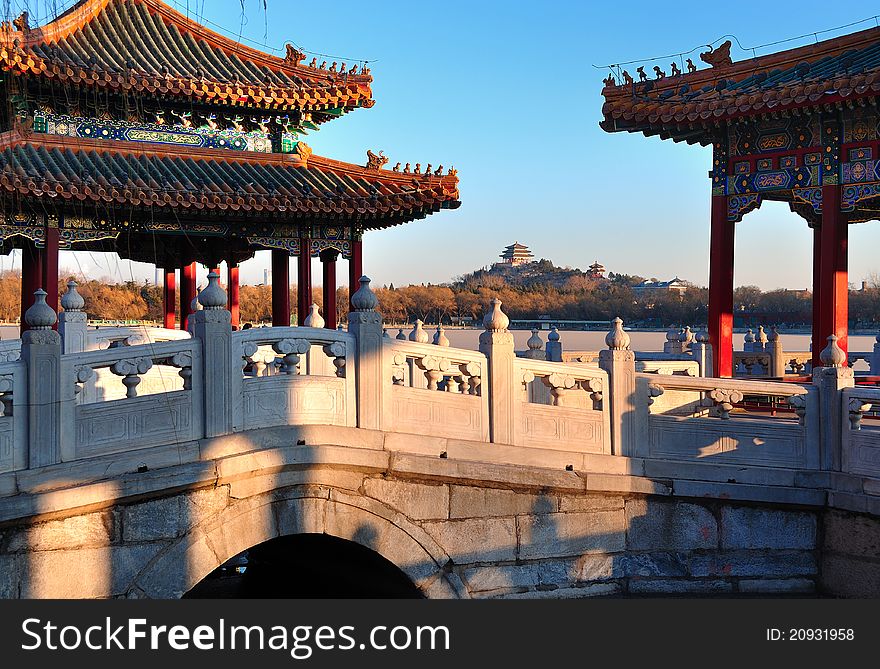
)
(800, 126)
(130, 128)
(516, 254)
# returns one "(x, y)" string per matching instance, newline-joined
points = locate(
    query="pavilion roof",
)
(145, 46)
(686, 106)
(48, 171)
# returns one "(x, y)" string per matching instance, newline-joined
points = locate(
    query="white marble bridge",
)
(138, 462)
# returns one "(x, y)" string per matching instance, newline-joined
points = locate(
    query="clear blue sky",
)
(505, 91)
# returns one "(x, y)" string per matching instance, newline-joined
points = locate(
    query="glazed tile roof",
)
(45, 168)
(832, 71)
(146, 46)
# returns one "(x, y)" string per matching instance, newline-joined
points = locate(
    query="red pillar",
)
(304, 281)
(818, 341)
(31, 278)
(169, 298)
(187, 293)
(280, 288)
(721, 288)
(328, 260)
(233, 288)
(834, 277)
(49, 267)
(355, 268)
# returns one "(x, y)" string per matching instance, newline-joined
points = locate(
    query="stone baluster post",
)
(553, 349)
(535, 344)
(317, 363)
(41, 352)
(496, 343)
(831, 379)
(777, 354)
(365, 323)
(672, 344)
(73, 321)
(701, 349)
(749, 341)
(629, 408)
(212, 324)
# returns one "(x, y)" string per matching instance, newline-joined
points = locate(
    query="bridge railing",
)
(293, 375)
(861, 431)
(133, 414)
(561, 406)
(219, 382)
(435, 390)
(13, 416)
(702, 418)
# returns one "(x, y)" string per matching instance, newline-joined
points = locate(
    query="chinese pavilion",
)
(516, 254)
(131, 128)
(800, 126)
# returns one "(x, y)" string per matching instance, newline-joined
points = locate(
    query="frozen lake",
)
(579, 340)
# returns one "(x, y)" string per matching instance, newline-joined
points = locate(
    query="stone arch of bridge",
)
(213, 541)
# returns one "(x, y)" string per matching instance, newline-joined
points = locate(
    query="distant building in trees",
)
(654, 288)
(596, 271)
(516, 254)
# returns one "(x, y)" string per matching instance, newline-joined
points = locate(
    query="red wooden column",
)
(328, 260)
(834, 277)
(187, 293)
(355, 268)
(234, 293)
(169, 298)
(818, 341)
(49, 268)
(304, 281)
(280, 288)
(31, 278)
(721, 288)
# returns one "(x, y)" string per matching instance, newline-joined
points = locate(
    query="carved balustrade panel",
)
(732, 421)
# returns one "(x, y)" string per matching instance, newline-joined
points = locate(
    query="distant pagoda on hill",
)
(596, 271)
(517, 254)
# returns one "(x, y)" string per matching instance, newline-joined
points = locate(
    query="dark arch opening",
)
(306, 566)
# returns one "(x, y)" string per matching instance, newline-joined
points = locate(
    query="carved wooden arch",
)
(343, 514)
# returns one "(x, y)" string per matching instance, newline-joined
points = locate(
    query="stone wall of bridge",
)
(456, 529)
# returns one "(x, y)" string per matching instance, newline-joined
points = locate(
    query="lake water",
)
(580, 340)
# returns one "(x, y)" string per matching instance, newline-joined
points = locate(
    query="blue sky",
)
(506, 92)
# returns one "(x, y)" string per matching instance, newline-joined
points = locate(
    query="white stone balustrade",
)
(435, 390)
(860, 450)
(293, 375)
(99, 427)
(700, 422)
(639, 405)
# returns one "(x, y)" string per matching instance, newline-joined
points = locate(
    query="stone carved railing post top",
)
(40, 316)
(401, 336)
(535, 343)
(72, 301)
(364, 299)
(212, 297)
(196, 305)
(440, 338)
(617, 339)
(495, 320)
(418, 334)
(314, 319)
(832, 355)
